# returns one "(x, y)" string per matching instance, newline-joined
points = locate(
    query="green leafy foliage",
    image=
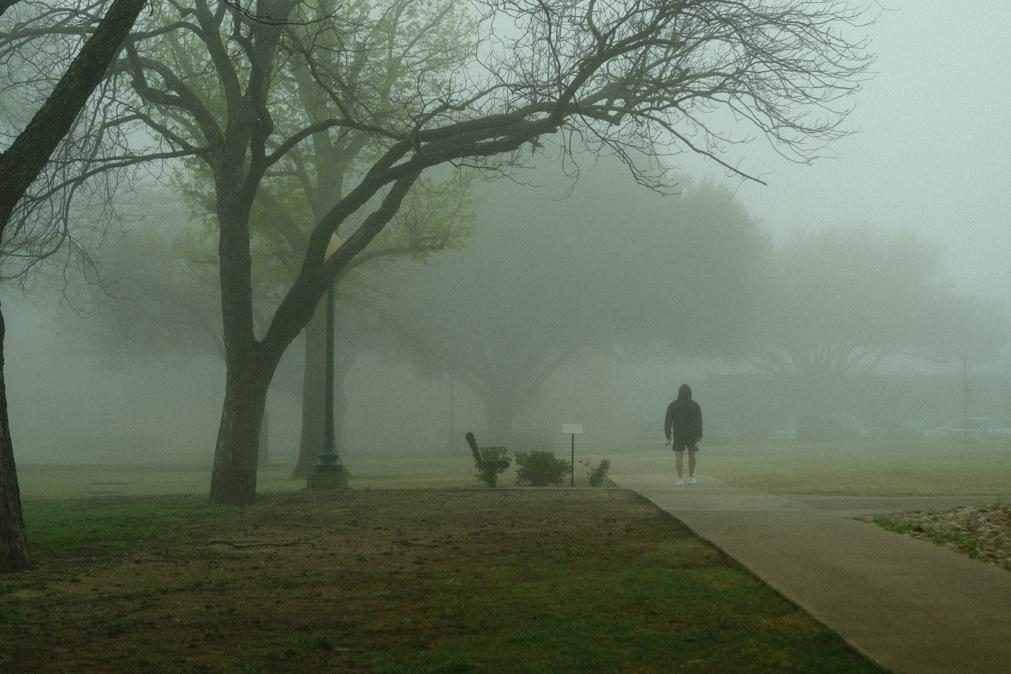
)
(402, 48)
(598, 473)
(493, 462)
(540, 469)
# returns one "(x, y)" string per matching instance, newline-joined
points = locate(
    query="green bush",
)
(493, 462)
(598, 473)
(539, 469)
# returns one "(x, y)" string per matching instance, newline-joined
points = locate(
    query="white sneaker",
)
(691, 480)
(680, 483)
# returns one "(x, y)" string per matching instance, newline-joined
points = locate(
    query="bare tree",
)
(641, 80)
(20, 165)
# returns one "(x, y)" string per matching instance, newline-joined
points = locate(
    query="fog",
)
(931, 155)
(932, 151)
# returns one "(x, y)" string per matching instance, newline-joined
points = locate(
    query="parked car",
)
(973, 429)
(818, 427)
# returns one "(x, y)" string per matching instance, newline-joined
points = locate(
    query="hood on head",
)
(685, 392)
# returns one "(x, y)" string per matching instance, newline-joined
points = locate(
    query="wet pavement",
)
(910, 605)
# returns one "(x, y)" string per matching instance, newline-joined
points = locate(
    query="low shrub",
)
(598, 473)
(493, 462)
(540, 469)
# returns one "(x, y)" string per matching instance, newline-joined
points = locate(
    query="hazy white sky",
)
(933, 151)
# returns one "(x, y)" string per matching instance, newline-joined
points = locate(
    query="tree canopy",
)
(559, 270)
(640, 81)
(835, 302)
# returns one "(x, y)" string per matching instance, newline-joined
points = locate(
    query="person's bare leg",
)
(679, 457)
(691, 464)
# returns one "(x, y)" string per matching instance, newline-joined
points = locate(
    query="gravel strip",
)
(981, 532)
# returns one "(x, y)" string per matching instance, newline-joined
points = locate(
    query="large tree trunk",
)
(263, 454)
(233, 480)
(250, 363)
(13, 543)
(247, 378)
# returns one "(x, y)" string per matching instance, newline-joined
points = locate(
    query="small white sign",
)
(572, 429)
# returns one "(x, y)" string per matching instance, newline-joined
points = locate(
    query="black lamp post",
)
(329, 473)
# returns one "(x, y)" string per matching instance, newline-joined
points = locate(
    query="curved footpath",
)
(909, 605)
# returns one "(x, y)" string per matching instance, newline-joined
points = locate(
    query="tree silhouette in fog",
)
(548, 278)
(835, 302)
(21, 163)
(640, 81)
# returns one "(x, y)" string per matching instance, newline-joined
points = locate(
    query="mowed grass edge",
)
(845, 468)
(680, 605)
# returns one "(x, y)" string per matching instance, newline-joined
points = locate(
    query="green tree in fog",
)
(549, 278)
(641, 81)
(835, 302)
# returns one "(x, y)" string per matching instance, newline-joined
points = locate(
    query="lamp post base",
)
(327, 478)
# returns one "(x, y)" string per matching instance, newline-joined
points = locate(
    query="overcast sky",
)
(933, 151)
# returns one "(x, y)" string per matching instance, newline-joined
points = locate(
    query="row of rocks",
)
(981, 532)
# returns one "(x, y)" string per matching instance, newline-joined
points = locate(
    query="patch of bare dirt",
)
(310, 583)
(982, 532)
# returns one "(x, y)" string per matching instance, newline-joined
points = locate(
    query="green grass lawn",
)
(557, 606)
(861, 468)
(589, 603)
(854, 468)
(47, 481)
(573, 581)
(676, 602)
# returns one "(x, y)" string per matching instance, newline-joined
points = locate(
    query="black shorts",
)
(682, 445)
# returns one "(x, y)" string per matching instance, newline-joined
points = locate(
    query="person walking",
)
(683, 427)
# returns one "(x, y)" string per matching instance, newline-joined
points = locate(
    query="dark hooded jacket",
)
(683, 422)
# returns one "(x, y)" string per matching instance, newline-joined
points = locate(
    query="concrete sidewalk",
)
(909, 605)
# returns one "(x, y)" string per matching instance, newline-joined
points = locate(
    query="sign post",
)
(572, 430)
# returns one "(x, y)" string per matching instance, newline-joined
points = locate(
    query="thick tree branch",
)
(28, 155)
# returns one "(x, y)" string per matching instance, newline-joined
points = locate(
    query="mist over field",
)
(871, 284)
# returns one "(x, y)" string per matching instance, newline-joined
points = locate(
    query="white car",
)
(973, 429)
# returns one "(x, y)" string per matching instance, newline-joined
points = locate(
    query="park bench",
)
(489, 461)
